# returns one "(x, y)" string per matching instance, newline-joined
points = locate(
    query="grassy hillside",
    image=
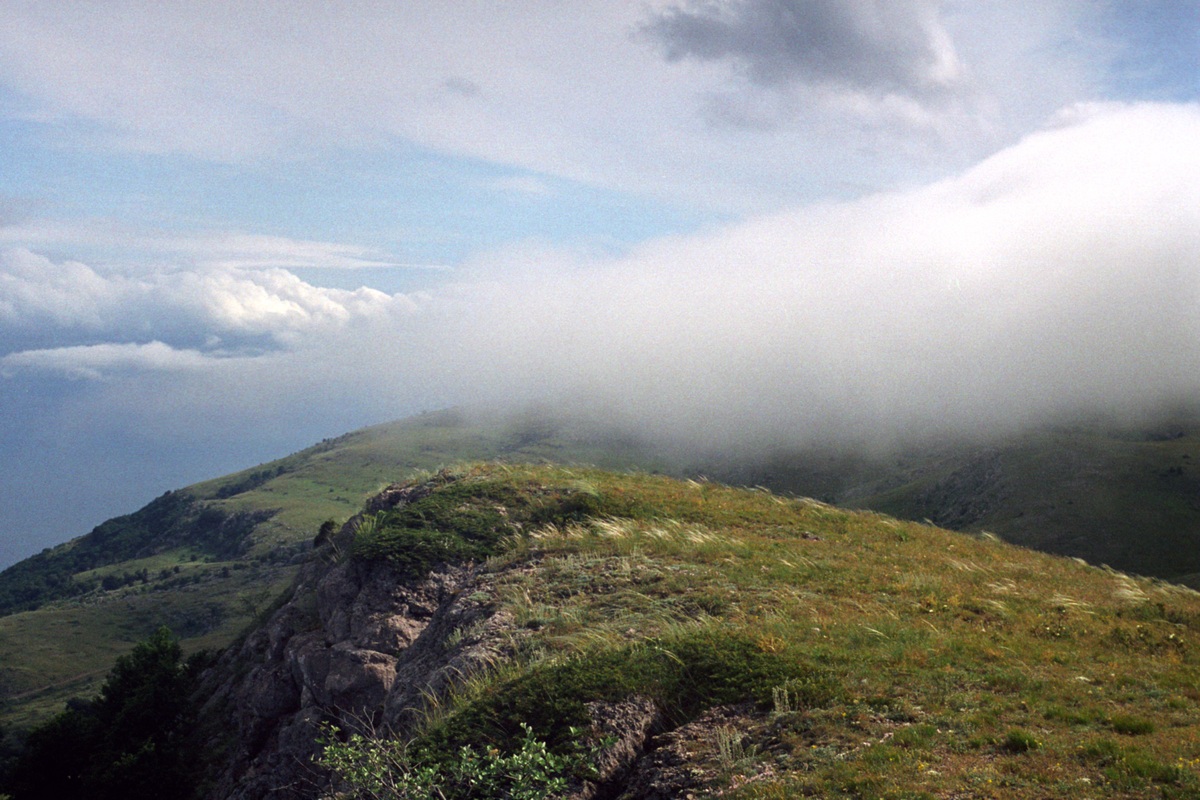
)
(810, 651)
(208, 558)
(182, 563)
(1128, 497)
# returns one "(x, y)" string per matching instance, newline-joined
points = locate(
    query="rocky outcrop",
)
(355, 645)
(359, 645)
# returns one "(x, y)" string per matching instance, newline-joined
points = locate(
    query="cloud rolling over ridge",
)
(1059, 275)
(226, 236)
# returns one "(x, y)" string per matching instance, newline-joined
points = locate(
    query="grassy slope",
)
(1073, 490)
(64, 649)
(1127, 498)
(884, 658)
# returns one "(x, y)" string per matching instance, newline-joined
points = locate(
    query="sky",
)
(231, 229)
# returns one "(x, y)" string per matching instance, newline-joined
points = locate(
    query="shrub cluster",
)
(129, 742)
(465, 520)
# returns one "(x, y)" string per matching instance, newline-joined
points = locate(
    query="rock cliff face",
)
(359, 645)
(356, 645)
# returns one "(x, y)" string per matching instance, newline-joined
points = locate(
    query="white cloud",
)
(98, 362)
(217, 249)
(63, 301)
(1059, 274)
(34, 290)
(272, 302)
(245, 251)
(571, 90)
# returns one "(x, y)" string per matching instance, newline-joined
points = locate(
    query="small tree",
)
(128, 743)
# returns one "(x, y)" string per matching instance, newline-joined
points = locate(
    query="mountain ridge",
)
(209, 596)
(698, 639)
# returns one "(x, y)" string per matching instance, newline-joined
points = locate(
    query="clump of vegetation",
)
(389, 769)
(129, 742)
(684, 674)
(1019, 741)
(466, 520)
(1131, 725)
(250, 481)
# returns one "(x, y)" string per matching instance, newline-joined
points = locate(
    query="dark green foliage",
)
(467, 520)
(684, 675)
(1128, 769)
(35, 580)
(251, 481)
(220, 534)
(387, 768)
(114, 581)
(1131, 725)
(57, 757)
(325, 533)
(8, 753)
(1019, 741)
(130, 742)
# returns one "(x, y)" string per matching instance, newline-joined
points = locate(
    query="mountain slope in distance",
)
(210, 558)
(1123, 496)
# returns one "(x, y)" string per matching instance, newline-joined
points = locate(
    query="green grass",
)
(63, 651)
(932, 606)
(64, 648)
(877, 657)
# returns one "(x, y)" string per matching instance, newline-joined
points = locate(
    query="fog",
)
(1058, 277)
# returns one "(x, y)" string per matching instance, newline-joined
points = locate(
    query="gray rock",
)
(359, 646)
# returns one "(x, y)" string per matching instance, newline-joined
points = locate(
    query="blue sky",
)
(228, 230)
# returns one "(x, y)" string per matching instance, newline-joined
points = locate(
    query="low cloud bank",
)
(213, 306)
(1060, 275)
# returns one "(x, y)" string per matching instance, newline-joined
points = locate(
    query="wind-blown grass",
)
(878, 658)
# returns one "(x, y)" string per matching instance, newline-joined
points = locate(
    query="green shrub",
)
(129, 742)
(1130, 725)
(1019, 741)
(683, 674)
(376, 767)
(468, 519)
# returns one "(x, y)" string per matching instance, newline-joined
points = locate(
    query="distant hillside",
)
(208, 559)
(178, 522)
(1128, 497)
